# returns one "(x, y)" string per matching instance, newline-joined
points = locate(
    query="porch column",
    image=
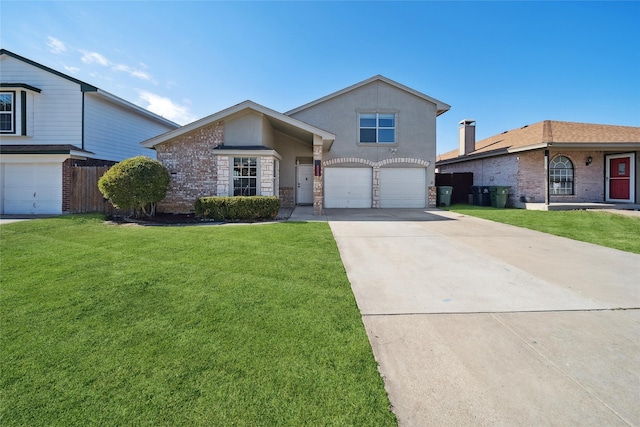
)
(546, 177)
(376, 187)
(318, 189)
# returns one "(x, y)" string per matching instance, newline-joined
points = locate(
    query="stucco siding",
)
(56, 116)
(415, 122)
(250, 129)
(291, 149)
(114, 133)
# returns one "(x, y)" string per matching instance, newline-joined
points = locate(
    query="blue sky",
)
(504, 64)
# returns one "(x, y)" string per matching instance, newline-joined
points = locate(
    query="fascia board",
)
(528, 147)
(441, 107)
(228, 112)
(600, 146)
(20, 86)
(84, 87)
(245, 153)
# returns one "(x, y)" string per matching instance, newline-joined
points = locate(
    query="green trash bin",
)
(444, 195)
(499, 196)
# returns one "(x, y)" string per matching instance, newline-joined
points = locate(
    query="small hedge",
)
(239, 208)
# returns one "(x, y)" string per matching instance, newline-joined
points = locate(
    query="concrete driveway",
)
(478, 323)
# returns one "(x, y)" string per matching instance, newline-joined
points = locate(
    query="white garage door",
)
(32, 188)
(347, 187)
(403, 187)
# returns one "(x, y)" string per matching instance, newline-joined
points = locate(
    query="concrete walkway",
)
(478, 323)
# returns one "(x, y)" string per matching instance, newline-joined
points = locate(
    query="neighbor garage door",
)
(403, 187)
(347, 187)
(32, 188)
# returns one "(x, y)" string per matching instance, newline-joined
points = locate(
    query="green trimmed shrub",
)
(136, 183)
(238, 208)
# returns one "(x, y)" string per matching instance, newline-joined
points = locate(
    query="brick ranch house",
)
(552, 162)
(370, 145)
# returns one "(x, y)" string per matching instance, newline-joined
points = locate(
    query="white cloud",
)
(55, 45)
(166, 108)
(94, 58)
(73, 70)
(142, 75)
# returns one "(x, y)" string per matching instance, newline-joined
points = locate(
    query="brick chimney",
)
(466, 137)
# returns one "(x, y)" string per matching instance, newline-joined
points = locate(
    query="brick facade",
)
(66, 186)
(192, 166)
(286, 195)
(525, 173)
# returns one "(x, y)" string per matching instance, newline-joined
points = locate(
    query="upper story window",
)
(7, 113)
(377, 128)
(245, 176)
(560, 176)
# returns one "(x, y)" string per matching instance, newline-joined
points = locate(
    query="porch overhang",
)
(278, 121)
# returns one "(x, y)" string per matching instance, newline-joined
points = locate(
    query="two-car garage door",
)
(31, 188)
(353, 187)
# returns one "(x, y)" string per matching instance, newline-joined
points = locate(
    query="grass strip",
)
(601, 228)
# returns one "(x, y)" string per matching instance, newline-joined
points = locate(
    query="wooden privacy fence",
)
(85, 195)
(461, 183)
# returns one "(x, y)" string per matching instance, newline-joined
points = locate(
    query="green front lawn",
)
(167, 326)
(602, 228)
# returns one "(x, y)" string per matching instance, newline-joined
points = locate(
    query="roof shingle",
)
(550, 132)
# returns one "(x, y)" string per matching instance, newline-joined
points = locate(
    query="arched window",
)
(560, 176)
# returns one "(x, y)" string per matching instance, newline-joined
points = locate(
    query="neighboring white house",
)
(370, 145)
(49, 120)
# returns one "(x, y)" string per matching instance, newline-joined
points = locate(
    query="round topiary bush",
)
(137, 183)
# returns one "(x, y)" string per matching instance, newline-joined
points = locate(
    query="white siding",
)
(57, 110)
(114, 133)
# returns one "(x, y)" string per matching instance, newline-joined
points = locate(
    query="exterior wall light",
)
(589, 160)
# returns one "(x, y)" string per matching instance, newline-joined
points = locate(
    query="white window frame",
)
(11, 113)
(252, 163)
(377, 128)
(559, 182)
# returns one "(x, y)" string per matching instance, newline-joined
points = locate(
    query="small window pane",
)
(6, 101)
(5, 122)
(386, 135)
(387, 120)
(367, 135)
(368, 120)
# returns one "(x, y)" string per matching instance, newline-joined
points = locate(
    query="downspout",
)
(82, 130)
(546, 177)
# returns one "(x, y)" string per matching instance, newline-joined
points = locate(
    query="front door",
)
(620, 178)
(304, 193)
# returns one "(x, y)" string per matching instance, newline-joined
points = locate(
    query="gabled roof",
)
(278, 120)
(84, 87)
(441, 107)
(550, 133)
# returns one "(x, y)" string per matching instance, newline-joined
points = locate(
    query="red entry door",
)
(620, 178)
